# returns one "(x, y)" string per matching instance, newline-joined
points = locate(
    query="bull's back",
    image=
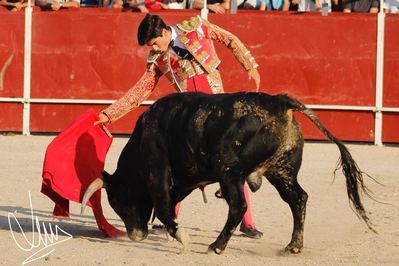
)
(207, 132)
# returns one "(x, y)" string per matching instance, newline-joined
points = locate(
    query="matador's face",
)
(161, 44)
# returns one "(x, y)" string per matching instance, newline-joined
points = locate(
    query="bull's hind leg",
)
(234, 195)
(284, 179)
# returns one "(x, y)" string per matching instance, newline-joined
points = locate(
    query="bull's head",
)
(128, 200)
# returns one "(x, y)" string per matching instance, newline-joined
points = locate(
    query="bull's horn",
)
(97, 184)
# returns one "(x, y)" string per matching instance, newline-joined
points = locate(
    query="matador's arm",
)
(135, 95)
(241, 53)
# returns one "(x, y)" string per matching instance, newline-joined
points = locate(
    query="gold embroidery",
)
(134, 96)
(239, 50)
(213, 63)
(183, 63)
(183, 39)
(202, 57)
(215, 82)
(194, 47)
(180, 73)
(190, 24)
(186, 69)
(170, 78)
(197, 67)
(165, 56)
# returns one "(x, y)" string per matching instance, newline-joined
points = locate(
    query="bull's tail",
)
(351, 171)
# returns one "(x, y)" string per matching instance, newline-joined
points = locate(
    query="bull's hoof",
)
(292, 250)
(213, 248)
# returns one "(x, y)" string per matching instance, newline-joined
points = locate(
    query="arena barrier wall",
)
(91, 57)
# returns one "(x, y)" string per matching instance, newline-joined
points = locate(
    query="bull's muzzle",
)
(137, 235)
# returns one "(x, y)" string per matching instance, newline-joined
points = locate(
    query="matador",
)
(186, 55)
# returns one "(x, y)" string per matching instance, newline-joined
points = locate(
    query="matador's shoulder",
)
(190, 24)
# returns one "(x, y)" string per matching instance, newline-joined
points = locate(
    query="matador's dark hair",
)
(150, 27)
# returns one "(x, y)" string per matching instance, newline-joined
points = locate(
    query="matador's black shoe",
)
(158, 229)
(250, 232)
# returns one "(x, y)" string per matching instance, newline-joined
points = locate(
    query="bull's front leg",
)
(164, 204)
(234, 195)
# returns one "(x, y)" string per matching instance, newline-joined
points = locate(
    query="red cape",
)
(72, 161)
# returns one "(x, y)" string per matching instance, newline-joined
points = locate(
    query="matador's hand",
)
(254, 74)
(103, 119)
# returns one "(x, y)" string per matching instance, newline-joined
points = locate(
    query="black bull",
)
(188, 140)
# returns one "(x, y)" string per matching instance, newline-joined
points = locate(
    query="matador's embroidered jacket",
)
(197, 36)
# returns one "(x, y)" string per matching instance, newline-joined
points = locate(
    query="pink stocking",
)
(247, 219)
(177, 209)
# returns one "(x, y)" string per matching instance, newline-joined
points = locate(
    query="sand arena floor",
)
(333, 233)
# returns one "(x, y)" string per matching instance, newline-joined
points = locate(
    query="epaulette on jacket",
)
(190, 24)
